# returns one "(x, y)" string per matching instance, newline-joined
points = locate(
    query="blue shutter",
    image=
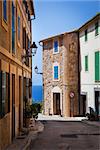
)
(55, 46)
(13, 29)
(18, 28)
(5, 10)
(55, 72)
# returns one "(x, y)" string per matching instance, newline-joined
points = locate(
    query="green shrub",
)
(36, 108)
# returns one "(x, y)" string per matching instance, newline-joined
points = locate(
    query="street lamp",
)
(30, 52)
(36, 70)
(34, 47)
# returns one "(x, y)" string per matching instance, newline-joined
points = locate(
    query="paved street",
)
(60, 135)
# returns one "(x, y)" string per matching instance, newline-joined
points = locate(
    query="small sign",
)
(72, 94)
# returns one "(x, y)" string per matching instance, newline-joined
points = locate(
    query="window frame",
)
(13, 29)
(55, 52)
(4, 99)
(56, 65)
(86, 63)
(86, 35)
(5, 22)
(97, 77)
(97, 28)
(19, 27)
(5, 15)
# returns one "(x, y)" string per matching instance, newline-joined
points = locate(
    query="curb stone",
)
(33, 135)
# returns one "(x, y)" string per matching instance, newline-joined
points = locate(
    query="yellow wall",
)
(12, 64)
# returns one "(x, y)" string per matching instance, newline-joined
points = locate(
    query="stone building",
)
(15, 69)
(61, 74)
(89, 36)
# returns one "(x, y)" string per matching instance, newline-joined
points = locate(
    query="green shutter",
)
(97, 66)
(96, 29)
(86, 63)
(86, 35)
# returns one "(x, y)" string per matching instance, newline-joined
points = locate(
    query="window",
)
(86, 63)
(5, 10)
(27, 51)
(4, 93)
(18, 28)
(55, 46)
(86, 35)
(30, 88)
(13, 29)
(24, 38)
(96, 29)
(97, 66)
(27, 88)
(27, 58)
(55, 72)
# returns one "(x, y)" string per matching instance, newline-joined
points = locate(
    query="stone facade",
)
(13, 71)
(67, 58)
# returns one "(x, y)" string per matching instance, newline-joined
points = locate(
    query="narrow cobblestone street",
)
(60, 135)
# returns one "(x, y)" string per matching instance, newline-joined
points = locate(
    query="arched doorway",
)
(56, 102)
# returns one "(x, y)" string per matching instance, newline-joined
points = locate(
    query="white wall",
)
(89, 48)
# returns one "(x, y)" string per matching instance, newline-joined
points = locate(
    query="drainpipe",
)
(79, 71)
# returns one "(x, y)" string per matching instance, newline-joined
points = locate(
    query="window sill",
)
(18, 44)
(4, 116)
(56, 80)
(14, 55)
(4, 24)
(86, 71)
(55, 52)
(97, 81)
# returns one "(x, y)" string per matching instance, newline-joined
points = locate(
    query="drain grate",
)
(68, 135)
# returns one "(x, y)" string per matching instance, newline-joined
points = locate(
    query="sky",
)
(55, 17)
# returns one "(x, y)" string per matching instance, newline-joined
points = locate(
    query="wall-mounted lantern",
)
(30, 52)
(36, 70)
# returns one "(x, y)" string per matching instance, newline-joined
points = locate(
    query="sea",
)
(37, 93)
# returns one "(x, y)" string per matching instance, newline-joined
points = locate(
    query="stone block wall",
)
(68, 62)
(48, 60)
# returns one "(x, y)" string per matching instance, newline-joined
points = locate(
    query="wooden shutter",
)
(0, 94)
(13, 29)
(8, 92)
(27, 88)
(5, 10)
(19, 28)
(96, 29)
(86, 63)
(97, 66)
(86, 35)
(55, 72)
(7, 102)
(30, 88)
(55, 46)
(3, 92)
